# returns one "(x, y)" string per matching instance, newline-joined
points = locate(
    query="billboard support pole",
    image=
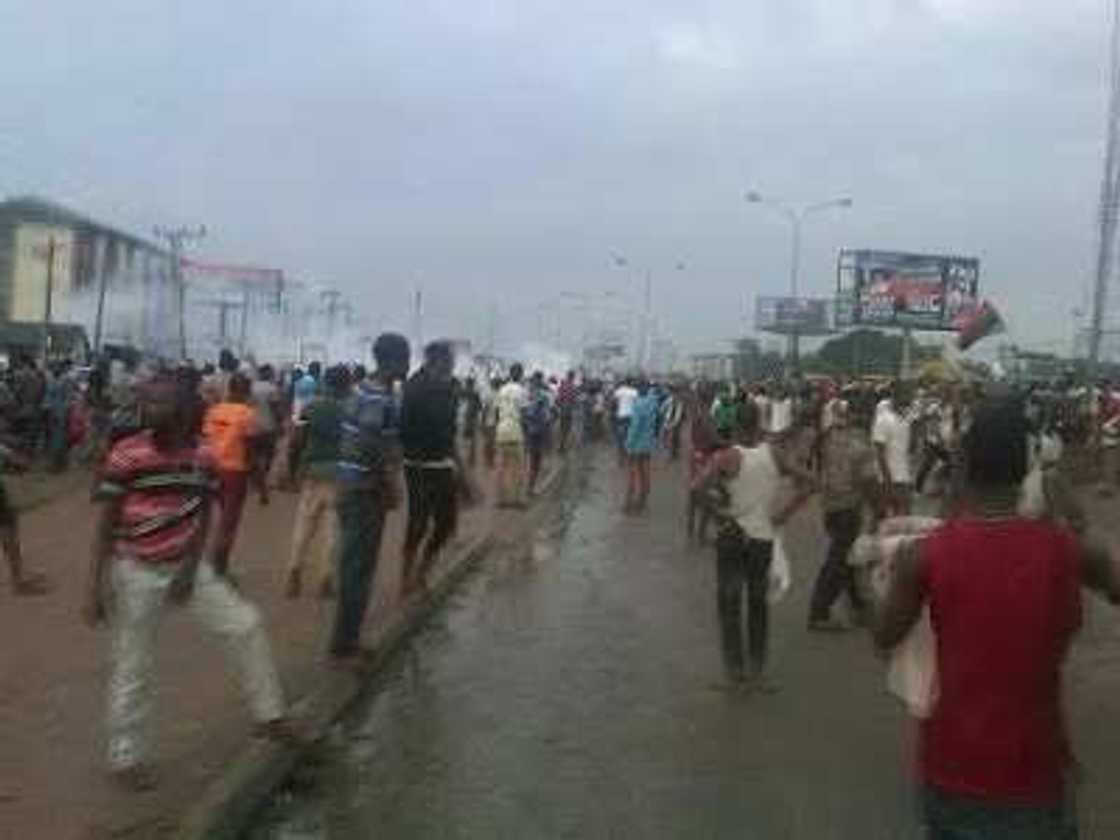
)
(906, 339)
(1109, 198)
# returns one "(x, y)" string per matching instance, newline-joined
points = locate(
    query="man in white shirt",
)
(891, 436)
(781, 411)
(624, 397)
(510, 439)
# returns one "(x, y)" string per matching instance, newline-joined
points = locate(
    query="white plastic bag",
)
(781, 578)
(912, 669)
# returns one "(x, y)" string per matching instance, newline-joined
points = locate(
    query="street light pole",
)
(796, 217)
(643, 350)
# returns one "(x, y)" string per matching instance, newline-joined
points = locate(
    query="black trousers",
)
(432, 501)
(836, 576)
(743, 563)
(935, 453)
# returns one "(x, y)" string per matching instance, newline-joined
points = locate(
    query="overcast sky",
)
(499, 150)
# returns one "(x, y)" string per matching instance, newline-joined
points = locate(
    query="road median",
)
(231, 801)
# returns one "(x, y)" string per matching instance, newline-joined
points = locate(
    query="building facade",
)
(60, 267)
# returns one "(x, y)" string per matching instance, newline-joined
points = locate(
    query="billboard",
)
(789, 315)
(893, 289)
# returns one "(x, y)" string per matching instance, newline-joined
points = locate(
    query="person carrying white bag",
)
(912, 666)
(741, 487)
(1003, 593)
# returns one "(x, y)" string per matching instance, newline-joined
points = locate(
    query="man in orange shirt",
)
(229, 428)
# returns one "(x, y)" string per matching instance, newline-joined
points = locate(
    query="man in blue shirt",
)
(368, 487)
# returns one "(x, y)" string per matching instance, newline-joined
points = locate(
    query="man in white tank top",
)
(748, 477)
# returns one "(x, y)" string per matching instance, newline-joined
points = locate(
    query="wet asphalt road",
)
(567, 691)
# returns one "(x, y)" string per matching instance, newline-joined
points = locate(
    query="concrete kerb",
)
(229, 804)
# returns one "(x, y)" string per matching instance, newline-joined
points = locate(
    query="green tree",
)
(864, 352)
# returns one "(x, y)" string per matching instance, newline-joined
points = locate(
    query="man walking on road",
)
(510, 438)
(316, 528)
(368, 488)
(536, 420)
(1004, 597)
(847, 480)
(748, 477)
(23, 582)
(230, 429)
(489, 424)
(432, 468)
(472, 411)
(158, 487)
(891, 436)
(566, 400)
(266, 401)
(624, 396)
(641, 440)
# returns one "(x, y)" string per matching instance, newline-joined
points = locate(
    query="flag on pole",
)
(976, 323)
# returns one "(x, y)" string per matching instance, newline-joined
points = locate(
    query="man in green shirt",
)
(316, 526)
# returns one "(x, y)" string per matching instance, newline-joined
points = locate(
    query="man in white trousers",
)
(158, 487)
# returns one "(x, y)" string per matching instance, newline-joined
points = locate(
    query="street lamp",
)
(622, 261)
(796, 217)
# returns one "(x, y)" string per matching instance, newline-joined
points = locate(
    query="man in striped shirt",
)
(158, 487)
(368, 488)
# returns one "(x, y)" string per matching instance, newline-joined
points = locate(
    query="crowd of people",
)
(995, 571)
(178, 451)
(186, 447)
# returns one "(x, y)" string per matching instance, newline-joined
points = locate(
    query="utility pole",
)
(51, 248)
(1110, 193)
(418, 319)
(176, 238)
(102, 288)
(48, 254)
(244, 318)
(647, 311)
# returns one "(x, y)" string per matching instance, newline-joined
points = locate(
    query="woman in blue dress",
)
(641, 439)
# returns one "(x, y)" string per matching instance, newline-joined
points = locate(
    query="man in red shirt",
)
(1004, 598)
(158, 487)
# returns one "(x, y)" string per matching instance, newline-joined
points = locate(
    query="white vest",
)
(754, 490)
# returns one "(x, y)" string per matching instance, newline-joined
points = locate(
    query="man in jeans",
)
(432, 468)
(741, 486)
(847, 480)
(368, 487)
(316, 527)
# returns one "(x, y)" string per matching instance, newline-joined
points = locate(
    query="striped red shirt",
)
(162, 496)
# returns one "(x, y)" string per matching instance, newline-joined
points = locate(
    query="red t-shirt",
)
(162, 496)
(1004, 600)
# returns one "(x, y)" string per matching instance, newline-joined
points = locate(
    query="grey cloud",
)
(502, 148)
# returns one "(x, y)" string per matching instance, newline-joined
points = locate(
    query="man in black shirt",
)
(431, 463)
